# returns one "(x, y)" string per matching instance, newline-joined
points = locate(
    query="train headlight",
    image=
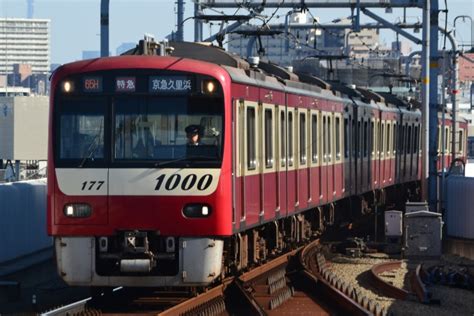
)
(68, 86)
(197, 210)
(77, 210)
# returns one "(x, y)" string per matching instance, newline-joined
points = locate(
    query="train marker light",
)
(197, 210)
(68, 86)
(77, 210)
(210, 87)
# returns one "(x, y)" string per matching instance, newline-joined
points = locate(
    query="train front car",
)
(140, 171)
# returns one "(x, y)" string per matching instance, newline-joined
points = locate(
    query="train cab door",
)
(269, 176)
(248, 179)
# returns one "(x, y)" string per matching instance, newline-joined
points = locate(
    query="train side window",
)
(438, 137)
(268, 138)
(417, 133)
(325, 146)
(338, 138)
(460, 141)
(282, 138)
(387, 145)
(302, 134)
(409, 138)
(366, 139)
(346, 137)
(290, 139)
(251, 139)
(314, 138)
(330, 139)
(446, 140)
(374, 138)
(394, 132)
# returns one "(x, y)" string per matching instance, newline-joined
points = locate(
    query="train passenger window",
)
(460, 141)
(290, 139)
(268, 138)
(394, 132)
(374, 139)
(325, 149)
(314, 138)
(251, 139)
(282, 138)
(409, 139)
(366, 140)
(302, 135)
(338, 139)
(346, 137)
(387, 145)
(446, 140)
(415, 146)
(438, 137)
(330, 139)
(359, 134)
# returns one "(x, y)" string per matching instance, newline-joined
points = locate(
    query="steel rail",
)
(386, 288)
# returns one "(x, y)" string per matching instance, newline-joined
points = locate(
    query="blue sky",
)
(75, 23)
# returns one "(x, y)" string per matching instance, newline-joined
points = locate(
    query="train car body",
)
(131, 203)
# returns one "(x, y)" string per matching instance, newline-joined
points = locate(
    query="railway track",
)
(298, 282)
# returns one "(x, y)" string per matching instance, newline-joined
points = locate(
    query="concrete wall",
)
(24, 128)
(23, 219)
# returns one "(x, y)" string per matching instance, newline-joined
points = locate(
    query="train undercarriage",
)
(147, 259)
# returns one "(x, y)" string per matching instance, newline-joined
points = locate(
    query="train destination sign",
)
(92, 84)
(125, 84)
(170, 84)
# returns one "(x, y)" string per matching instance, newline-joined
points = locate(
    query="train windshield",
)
(168, 130)
(81, 130)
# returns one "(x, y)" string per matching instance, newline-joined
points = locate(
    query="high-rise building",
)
(25, 41)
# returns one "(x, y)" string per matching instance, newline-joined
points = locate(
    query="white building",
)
(25, 41)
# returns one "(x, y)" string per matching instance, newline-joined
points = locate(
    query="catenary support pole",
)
(180, 25)
(104, 28)
(425, 97)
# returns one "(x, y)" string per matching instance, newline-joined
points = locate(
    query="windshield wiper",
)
(91, 149)
(190, 158)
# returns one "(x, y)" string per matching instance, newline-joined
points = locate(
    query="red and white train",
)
(281, 155)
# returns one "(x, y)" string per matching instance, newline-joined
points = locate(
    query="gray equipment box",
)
(423, 234)
(416, 207)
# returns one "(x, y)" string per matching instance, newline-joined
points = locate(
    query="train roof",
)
(272, 76)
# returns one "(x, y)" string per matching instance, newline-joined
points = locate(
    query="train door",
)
(358, 150)
(373, 153)
(349, 173)
(248, 178)
(363, 132)
(382, 146)
(302, 157)
(325, 157)
(331, 190)
(292, 167)
(315, 170)
(338, 156)
(388, 160)
(269, 177)
(282, 160)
